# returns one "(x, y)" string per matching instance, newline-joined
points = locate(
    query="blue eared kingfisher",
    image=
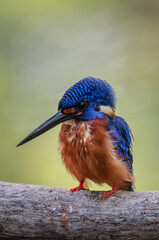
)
(95, 144)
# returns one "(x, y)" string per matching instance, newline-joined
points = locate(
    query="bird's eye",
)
(82, 105)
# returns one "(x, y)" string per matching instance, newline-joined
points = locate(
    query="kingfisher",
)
(95, 144)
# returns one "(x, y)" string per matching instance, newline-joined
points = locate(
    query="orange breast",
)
(88, 152)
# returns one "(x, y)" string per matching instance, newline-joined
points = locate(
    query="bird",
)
(95, 143)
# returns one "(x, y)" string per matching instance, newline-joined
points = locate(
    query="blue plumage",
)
(93, 89)
(122, 139)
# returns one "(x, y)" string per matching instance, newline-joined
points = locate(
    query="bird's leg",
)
(108, 193)
(80, 187)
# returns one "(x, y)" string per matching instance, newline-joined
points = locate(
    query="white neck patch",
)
(107, 110)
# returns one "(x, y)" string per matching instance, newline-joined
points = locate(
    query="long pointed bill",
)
(59, 117)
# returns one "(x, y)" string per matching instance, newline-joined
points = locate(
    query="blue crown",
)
(90, 88)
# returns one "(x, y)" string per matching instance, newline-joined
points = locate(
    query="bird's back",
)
(122, 140)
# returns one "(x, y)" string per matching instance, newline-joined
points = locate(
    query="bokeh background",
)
(47, 46)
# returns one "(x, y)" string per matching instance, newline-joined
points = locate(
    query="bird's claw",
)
(108, 193)
(78, 188)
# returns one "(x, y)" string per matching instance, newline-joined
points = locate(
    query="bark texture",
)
(37, 212)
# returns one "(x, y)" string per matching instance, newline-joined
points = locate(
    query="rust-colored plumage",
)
(88, 152)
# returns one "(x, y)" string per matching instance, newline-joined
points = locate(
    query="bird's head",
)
(88, 99)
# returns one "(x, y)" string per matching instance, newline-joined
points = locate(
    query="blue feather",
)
(90, 88)
(122, 139)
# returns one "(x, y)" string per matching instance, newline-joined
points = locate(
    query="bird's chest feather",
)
(88, 152)
(81, 147)
(76, 134)
(77, 138)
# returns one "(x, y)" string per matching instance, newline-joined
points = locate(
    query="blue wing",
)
(122, 139)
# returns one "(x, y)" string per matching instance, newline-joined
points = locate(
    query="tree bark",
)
(38, 212)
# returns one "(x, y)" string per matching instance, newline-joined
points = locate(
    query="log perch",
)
(38, 212)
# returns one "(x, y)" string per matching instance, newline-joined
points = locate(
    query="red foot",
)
(108, 193)
(80, 187)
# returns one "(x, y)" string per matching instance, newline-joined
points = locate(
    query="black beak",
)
(59, 117)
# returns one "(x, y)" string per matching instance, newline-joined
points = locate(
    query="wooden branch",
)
(37, 212)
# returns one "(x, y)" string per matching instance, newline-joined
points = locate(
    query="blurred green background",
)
(47, 46)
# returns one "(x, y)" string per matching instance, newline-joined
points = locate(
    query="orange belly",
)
(88, 152)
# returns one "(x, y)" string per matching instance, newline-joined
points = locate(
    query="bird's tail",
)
(127, 186)
(131, 187)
